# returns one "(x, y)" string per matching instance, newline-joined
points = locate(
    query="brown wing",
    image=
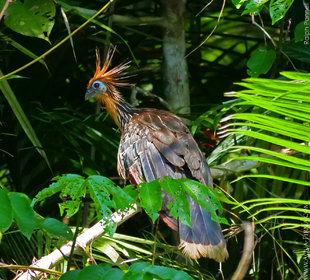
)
(155, 144)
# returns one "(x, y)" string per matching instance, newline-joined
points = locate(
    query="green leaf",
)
(6, 211)
(100, 196)
(47, 192)
(238, 3)
(22, 118)
(254, 6)
(73, 190)
(113, 273)
(299, 32)
(93, 272)
(23, 213)
(179, 207)
(70, 275)
(260, 62)
(56, 227)
(206, 198)
(31, 18)
(102, 200)
(156, 272)
(120, 198)
(150, 196)
(278, 9)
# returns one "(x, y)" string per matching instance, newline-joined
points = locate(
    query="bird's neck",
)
(124, 112)
(120, 110)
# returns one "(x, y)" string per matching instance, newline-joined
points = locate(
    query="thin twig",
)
(6, 5)
(214, 28)
(203, 9)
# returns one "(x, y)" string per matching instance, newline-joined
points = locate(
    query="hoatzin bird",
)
(154, 144)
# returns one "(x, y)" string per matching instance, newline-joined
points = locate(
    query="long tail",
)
(205, 238)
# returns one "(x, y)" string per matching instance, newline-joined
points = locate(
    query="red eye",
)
(96, 85)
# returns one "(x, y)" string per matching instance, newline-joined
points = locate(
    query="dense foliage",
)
(256, 138)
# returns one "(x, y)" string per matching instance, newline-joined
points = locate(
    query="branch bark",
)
(83, 239)
(248, 249)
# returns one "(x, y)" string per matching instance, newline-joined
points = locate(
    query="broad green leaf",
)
(93, 272)
(179, 207)
(113, 273)
(47, 192)
(31, 17)
(204, 197)
(103, 203)
(157, 272)
(278, 9)
(120, 198)
(168, 273)
(22, 118)
(6, 212)
(73, 190)
(70, 275)
(23, 213)
(299, 32)
(101, 197)
(260, 62)
(254, 6)
(57, 228)
(150, 195)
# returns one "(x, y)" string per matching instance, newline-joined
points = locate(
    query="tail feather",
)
(204, 238)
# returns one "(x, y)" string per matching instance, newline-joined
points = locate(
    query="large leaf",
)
(6, 211)
(23, 213)
(179, 207)
(56, 227)
(150, 198)
(31, 17)
(260, 62)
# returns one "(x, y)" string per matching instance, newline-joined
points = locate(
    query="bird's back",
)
(156, 143)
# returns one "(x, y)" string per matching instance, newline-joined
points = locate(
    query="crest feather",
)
(112, 76)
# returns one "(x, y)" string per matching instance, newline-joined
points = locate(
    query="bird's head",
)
(102, 86)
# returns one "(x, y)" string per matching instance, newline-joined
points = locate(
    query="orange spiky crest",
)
(110, 77)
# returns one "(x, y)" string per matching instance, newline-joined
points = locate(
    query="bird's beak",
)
(89, 93)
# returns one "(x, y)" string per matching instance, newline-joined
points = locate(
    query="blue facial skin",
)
(95, 88)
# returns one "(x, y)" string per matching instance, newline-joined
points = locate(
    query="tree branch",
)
(82, 240)
(248, 249)
(6, 5)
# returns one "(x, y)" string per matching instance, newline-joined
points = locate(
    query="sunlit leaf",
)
(31, 18)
